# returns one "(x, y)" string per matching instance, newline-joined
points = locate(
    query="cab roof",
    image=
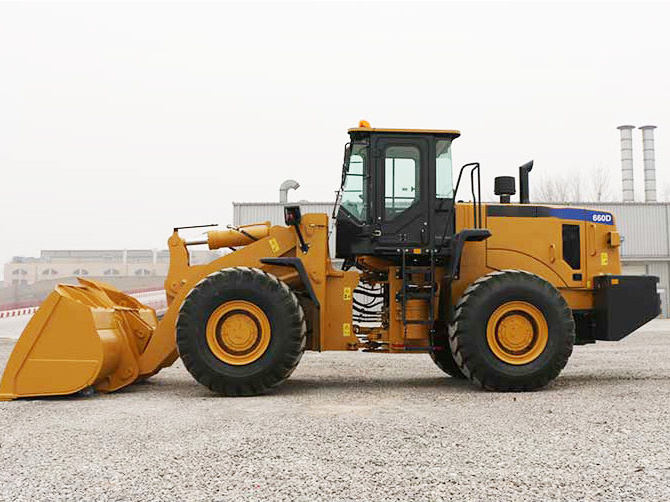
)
(364, 127)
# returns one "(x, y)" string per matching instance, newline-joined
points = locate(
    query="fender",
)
(297, 264)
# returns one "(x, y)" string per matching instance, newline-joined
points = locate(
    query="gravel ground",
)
(355, 426)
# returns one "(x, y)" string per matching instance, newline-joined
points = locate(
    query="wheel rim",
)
(238, 332)
(517, 333)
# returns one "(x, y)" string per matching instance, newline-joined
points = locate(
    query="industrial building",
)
(110, 263)
(28, 280)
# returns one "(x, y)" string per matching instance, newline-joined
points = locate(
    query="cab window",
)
(401, 174)
(354, 189)
(444, 188)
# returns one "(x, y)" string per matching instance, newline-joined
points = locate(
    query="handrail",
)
(476, 199)
(475, 166)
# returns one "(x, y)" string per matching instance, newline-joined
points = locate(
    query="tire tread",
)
(473, 366)
(245, 278)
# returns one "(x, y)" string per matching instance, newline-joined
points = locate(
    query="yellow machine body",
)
(535, 245)
(92, 335)
(530, 244)
(496, 293)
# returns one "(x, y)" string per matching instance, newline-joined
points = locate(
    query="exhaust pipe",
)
(524, 196)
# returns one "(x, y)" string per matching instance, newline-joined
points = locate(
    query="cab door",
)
(401, 201)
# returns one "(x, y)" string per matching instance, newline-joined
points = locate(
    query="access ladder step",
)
(413, 287)
(419, 295)
(418, 269)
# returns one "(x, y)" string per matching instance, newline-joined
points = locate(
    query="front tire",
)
(241, 332)
(512, 331)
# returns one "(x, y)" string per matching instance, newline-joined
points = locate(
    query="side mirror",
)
(292, 219)
(292, 216)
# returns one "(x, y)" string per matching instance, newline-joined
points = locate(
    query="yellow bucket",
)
(90, 335)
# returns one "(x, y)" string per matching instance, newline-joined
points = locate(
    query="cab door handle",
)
(591, 239)
(552, 253)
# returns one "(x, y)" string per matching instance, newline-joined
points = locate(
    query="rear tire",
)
(443, 358)
(241, 332)
(512, 331)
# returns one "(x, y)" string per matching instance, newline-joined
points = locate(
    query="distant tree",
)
(590, 186)
(600, 183)
(557, 187)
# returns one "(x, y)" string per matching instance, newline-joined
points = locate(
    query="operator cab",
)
(396, 192)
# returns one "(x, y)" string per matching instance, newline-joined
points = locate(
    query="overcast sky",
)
(119, 121)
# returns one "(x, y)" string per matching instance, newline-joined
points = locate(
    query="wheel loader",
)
(496, 293)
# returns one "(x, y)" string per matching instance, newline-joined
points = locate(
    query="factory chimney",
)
(627, 162)
(649, 163)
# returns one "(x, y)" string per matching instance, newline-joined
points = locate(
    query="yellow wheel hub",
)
(238, 332)
(517, 333)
